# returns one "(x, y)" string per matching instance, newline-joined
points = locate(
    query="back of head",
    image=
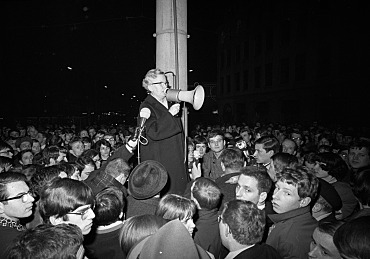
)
(306, 182)
(245, 220)
(352, 239)
(232, 158)
(63, 195)
(47, 241)
(206, 192)
(283, 160)
(42, 178)
(269, 143)
(173, 206)
(117, 167)
(136, 228)
(109, 206)
(260, 174)
(333, 164)
(50, 152)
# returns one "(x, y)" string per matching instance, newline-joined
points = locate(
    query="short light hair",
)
(151, 74)
(245, 220)
(207, 193)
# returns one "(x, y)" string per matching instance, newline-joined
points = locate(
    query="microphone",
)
(144, 115)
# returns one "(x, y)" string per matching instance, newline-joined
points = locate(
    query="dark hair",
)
(207, 193)
(305, 181)
(199, 140)
(352, 239)
(90, 153)
(4, 145)
(83, 161)
(269, 143)
(361, 144)
(137, 228)
(42, 178)
(264, 181)
(7, 178)
(86, 140)
(67, 168)
(173, 206)
(329, 227)
(64, 195)
(109, 205)
(283, 160)
(245, 220)
(232, 158)
(215, 132)
(102, 142)
(50, 152)
(333, 164)
(74, 140)
(61, 241)
(31, 170)
(361, 186)
(54, 140)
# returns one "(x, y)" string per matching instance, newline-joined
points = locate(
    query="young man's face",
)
(246, 189)
(298, 139)
(216, 144)
(104, 150)
(83, 133)
(262, 157)
(16, 209)
(322, 246)
(25, 145)
(358, 157)
(27, 158)
(83, 218)
(202, 148)
(110, 139)
(288, 146)
(36, 148)
(77, 148)
(245, 136)
(285, 197)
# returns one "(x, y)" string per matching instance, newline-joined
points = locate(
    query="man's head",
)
(216, 141)
(119, 169)
(23, 143)
(68, 201)
(232, 160)
(246, 135)
(205, 193)
(109, 206)
(16, 201)
(41, 137)
(297, 137)
(352, 238)
(26, 157)
(253, 185)
(265, 148)
(200, 143)
(32, 131)
(76, 146)
(289, 146)
(295, 188)
(45, 241)
(110, 138)
(322, 245)
(359, 154)
(36, 146)
(241, 222)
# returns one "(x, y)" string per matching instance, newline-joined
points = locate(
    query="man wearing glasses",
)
(68, 201)
(164, 132)
(16, 203)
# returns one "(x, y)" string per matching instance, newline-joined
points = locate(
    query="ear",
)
(55, 221)
(209, 145)
(305, 202)
(262, 198)
(316, 208)
(271, 153)
(223, 167)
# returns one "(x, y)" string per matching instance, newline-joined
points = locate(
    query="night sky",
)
(67, 57)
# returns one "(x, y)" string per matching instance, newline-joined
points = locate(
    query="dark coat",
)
(165, 144)
(259, 251)
(291, 233)
(136, 207)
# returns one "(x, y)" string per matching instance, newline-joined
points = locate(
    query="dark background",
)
(108, 44)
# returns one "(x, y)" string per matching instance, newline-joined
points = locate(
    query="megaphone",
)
(195, 97)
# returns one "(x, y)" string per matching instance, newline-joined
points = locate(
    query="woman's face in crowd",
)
(104, 150)
(189, 224)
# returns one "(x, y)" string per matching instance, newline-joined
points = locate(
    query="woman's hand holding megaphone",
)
(174, 109)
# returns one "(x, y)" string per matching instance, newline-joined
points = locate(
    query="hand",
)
(174, 109)
(233, 180)
(196, 171)
(132, 143)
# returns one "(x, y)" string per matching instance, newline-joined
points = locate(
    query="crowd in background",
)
(256, 191)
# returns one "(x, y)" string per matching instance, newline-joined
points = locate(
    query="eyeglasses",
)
(159, 83)
(23, 196)
(83, 213)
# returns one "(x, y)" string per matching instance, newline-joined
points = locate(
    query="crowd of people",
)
(251, 191)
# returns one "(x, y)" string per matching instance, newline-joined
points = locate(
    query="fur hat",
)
(147, 179)
(170, 241)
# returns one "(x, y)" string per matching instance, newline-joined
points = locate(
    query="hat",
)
(21, 140)
(170, 241)
(147, 179)
(328, 192)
